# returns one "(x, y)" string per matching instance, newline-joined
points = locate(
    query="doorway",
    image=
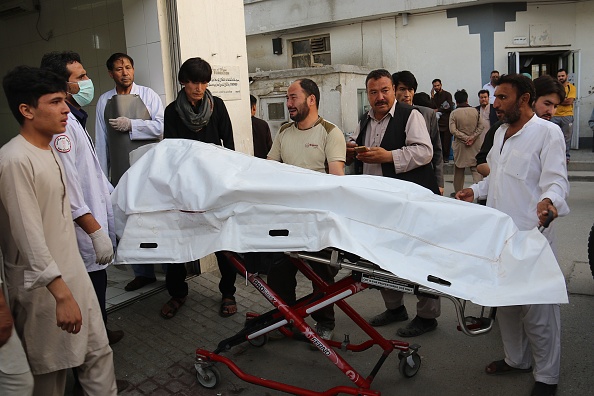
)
(549, 62)
(273, 110)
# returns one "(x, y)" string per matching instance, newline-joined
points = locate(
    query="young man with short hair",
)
(47, 277)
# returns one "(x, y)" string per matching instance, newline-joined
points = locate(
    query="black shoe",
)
(114, 336)
(389, 316)
(542, 389)
(138, 282)
(417, 327)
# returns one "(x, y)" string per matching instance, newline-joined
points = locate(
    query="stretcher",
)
(290, 321)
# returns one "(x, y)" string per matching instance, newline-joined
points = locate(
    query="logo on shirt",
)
(62, 143)
(312, 145)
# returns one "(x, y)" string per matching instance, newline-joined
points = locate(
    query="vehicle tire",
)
(591, 250)
(211, 377)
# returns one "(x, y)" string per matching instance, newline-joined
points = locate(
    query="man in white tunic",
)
(46, 277)
(528, 179)
(130, 133)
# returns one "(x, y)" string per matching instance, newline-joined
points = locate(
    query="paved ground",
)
(157, 355)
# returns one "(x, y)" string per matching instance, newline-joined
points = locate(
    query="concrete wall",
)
(432, 43)
(219, 38)
(338, 90)
(143, 44)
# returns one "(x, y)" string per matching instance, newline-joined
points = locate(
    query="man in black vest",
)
(397, 145)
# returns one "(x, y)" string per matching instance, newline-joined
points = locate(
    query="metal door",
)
(273, 109)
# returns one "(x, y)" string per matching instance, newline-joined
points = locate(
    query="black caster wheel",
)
(211, 377)
(591, 250)
(409, 366)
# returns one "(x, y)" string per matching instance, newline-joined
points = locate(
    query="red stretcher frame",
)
(362, 273)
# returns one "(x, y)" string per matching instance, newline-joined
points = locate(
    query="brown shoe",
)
(138, 282)
(114, 336)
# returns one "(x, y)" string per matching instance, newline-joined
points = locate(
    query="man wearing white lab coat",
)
(87, 187)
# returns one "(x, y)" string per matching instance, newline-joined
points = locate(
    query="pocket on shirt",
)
(517, 165)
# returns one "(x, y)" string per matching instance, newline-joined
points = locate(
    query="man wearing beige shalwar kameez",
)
(467, 128)
(55, 309)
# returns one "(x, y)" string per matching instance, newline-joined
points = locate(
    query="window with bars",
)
(314, 51)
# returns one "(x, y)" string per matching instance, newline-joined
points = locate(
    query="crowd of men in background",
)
(56, 182)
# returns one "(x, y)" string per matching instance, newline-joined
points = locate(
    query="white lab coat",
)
(88, 188)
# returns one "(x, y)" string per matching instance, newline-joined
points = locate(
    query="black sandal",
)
(171, 307)
(226, 304)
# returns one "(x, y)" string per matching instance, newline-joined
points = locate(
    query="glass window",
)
(276, 111)
(314, 51)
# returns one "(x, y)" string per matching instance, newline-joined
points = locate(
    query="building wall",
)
(219, 40)
(433, 43)
(143, 44)
(94, 29)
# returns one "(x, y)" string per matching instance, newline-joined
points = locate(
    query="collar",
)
(133, 91)
(390, 112)
(79, 114)
(320, 119)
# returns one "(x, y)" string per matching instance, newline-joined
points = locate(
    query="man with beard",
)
(313, 143)
(564, 115)
(528, 180)
(549, 93)
(398, 145)
(441, 101)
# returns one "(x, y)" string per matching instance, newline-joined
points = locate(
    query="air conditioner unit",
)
(14, 8)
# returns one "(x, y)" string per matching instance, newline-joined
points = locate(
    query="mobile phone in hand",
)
(361, 149)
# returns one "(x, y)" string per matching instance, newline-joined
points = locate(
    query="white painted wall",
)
(434, 46)
(219, 38)
(430, 45)
(143, 44)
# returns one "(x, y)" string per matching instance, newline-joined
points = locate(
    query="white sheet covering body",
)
(189, 199)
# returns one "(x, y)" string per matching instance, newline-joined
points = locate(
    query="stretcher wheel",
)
(409, 366)
(259, 341)
(211, 377)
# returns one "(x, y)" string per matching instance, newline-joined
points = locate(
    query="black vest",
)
(394, 139)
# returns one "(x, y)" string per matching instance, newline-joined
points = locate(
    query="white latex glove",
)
(102, 245)
(122, 124)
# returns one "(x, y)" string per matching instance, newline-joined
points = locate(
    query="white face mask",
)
(85, 94)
